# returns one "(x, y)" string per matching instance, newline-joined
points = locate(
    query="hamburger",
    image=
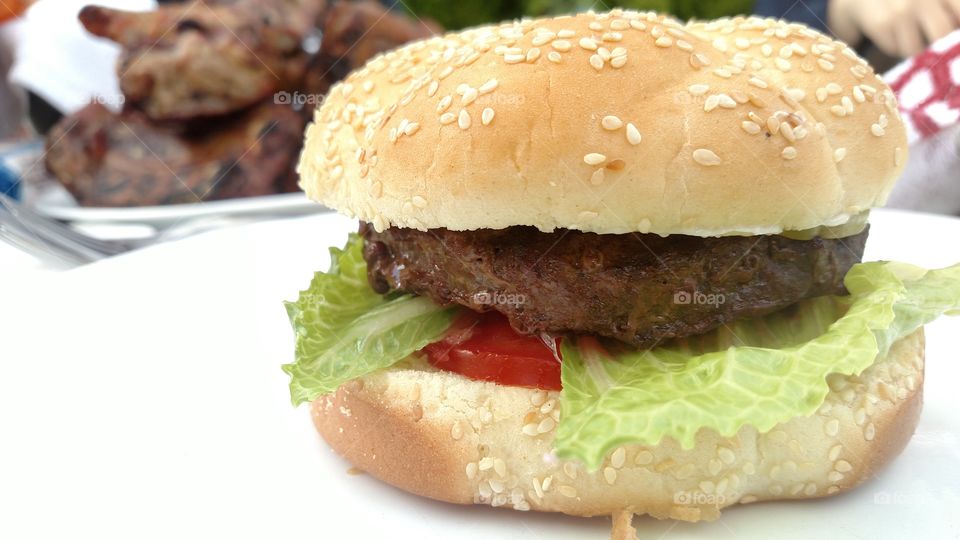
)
(610, 264)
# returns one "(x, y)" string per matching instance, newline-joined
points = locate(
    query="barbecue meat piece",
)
(637, 288)
(354, 32)
(105, 159)
(202, 58)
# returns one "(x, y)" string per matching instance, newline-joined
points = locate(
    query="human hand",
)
(899, 28)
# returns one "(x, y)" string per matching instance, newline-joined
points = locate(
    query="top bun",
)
(610, 123)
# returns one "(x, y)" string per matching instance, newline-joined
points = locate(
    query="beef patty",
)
(637, 288)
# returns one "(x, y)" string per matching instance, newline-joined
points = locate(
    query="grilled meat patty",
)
(637, 288)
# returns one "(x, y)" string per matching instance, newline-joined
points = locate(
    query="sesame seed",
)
(618, 62)
(561, 45)
(750, 127)
(706, 157)
(787, 131)
(463, 120)
(644, 457)
(723, 72)
(486, 116)
(419, 201)
(536, 487)
(633, 134)
(877, 130)
(698, 89)
(543, 38)
(656, 32)
(843, 466)
(726, 101)
(782, 64)
(720, 44)
(588, 44)
(612, 36)
(619, 24)
(610, 475)
(411, 128)
(486, 463)
(367, 86)
(594, 159)
(758, 82)
(471, 470)
(847, 104)
(766, 49)
(496, 485)
(514, 58)
(637, 25)
(684, 45)
(500, 467)
(596, 62)
(432, 89)
(838, 110)
(618, 458)
(488, 86)
(789, 153)
(832, 427)
(597, 177)
(530, 429)
(554, 57)
(567, 491)
(742, 43)
(834, 476)
(825, 65)
(699, 60)
(870, 432)
(711, 103)
(570, 470)
(663, 41)
(619, 51)
(469, 96)
(595, 26)
(714, 466)
(546, 425)
(859, 95)
(547, 482)
(611, 123)
(444, 104)
(456, 431)
(604, 53)
(533, 54)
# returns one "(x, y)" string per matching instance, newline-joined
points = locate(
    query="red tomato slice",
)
(483, 346)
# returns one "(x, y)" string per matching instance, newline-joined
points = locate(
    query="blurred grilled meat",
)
(105, 159)
(354, 32)
(637, 288)
(207, 58)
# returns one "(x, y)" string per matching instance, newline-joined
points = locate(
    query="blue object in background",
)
(9, 182)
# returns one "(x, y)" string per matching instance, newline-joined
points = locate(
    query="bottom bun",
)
(443, 436)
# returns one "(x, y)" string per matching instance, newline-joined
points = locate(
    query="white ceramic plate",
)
(58, 204)
(142, 397)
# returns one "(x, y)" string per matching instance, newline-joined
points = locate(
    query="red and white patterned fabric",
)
(928, 88)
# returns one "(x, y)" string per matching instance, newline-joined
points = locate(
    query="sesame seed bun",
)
(472, 446)
(610, 123)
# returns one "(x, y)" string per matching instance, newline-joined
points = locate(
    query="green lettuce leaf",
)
(758, 372)
(343, 329)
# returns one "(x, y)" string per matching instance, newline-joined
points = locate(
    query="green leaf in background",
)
(343, 329)
(776, 371)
